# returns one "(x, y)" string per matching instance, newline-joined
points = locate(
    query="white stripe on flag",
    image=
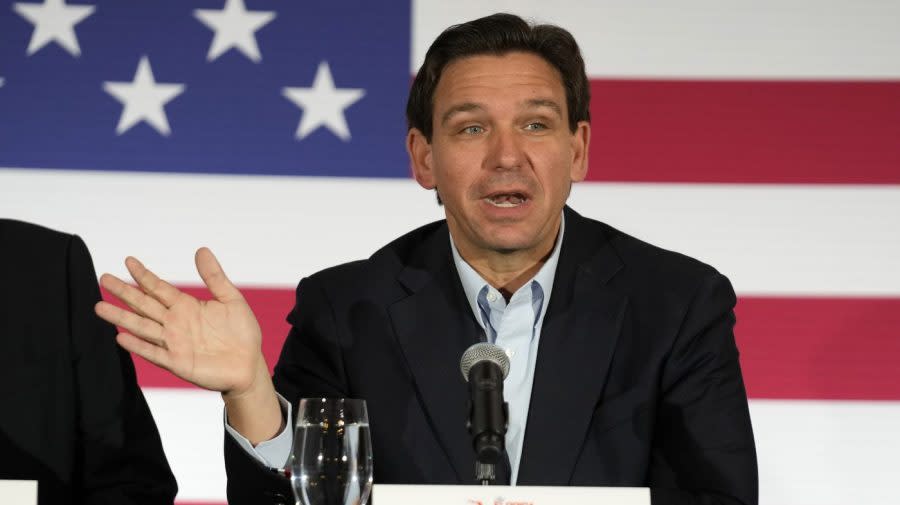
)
(768, 239)
(798, 240)
(793, 39)
(267, 231)
(826, 452)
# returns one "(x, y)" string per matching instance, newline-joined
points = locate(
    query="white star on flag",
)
(54, 21)
(143, 99)
(236, 27)
(323, 104)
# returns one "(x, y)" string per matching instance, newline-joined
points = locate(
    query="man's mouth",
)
(507, 200)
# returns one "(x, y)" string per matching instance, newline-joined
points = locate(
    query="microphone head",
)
(483, 351)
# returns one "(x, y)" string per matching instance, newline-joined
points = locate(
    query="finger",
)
(139, 301)
(214, 277)
(152, 353)
(166, 293)
(139, 326)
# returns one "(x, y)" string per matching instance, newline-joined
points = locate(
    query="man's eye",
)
(473, 130)
(535, 126)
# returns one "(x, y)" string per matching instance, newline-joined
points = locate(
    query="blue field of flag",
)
(207, 86)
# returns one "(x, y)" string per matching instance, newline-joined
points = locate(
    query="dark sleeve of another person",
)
(119, 457)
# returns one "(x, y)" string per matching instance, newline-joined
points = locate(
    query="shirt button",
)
(492, 296)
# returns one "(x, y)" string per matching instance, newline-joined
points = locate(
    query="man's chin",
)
(510, 245)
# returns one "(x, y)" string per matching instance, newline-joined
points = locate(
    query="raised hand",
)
(213, 344)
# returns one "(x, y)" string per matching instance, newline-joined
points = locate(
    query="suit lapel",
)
(434, 326)
(578, 339)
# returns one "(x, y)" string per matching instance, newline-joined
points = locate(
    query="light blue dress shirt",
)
(514, 326)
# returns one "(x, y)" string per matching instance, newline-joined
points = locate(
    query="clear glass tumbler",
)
(331, 460)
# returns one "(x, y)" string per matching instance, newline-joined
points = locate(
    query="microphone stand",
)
(486, 473)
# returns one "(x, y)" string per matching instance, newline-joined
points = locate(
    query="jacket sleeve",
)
(704, 451)
(310, 365)
(119, 455)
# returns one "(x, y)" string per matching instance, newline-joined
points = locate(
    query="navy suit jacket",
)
(637, 381)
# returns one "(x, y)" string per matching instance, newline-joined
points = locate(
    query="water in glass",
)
(331, 461)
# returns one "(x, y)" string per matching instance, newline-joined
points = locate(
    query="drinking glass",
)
(331, 460)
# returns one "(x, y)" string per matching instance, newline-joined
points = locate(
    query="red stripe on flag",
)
(791, 348)
(820, 348)
(745, 131)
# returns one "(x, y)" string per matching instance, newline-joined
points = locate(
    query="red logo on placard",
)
(499, 501)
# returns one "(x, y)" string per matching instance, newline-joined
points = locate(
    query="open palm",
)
(214, 344)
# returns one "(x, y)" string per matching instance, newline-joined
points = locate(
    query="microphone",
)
(484, 366)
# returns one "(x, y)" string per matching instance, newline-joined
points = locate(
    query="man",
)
(73, 417)
(624, 368)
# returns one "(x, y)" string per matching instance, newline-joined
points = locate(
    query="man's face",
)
(501, 156)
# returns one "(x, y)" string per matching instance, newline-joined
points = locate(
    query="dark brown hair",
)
(500, 34)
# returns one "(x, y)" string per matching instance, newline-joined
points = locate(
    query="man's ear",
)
(581, 141)
(419, 150)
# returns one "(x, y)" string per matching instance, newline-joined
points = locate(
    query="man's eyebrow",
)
(543, 102)
(534, 103)
(463, 107)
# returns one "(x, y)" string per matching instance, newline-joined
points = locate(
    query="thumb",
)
(214, 277)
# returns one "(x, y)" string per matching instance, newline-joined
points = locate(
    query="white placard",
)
(393, 494)
(18, 492)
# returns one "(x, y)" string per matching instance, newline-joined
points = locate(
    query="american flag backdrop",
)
(761, 137)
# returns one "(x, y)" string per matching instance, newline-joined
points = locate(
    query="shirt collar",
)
(472, 282)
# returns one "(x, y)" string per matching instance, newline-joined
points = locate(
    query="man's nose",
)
(505, 150)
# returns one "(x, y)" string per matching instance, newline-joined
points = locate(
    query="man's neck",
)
(508, 271)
